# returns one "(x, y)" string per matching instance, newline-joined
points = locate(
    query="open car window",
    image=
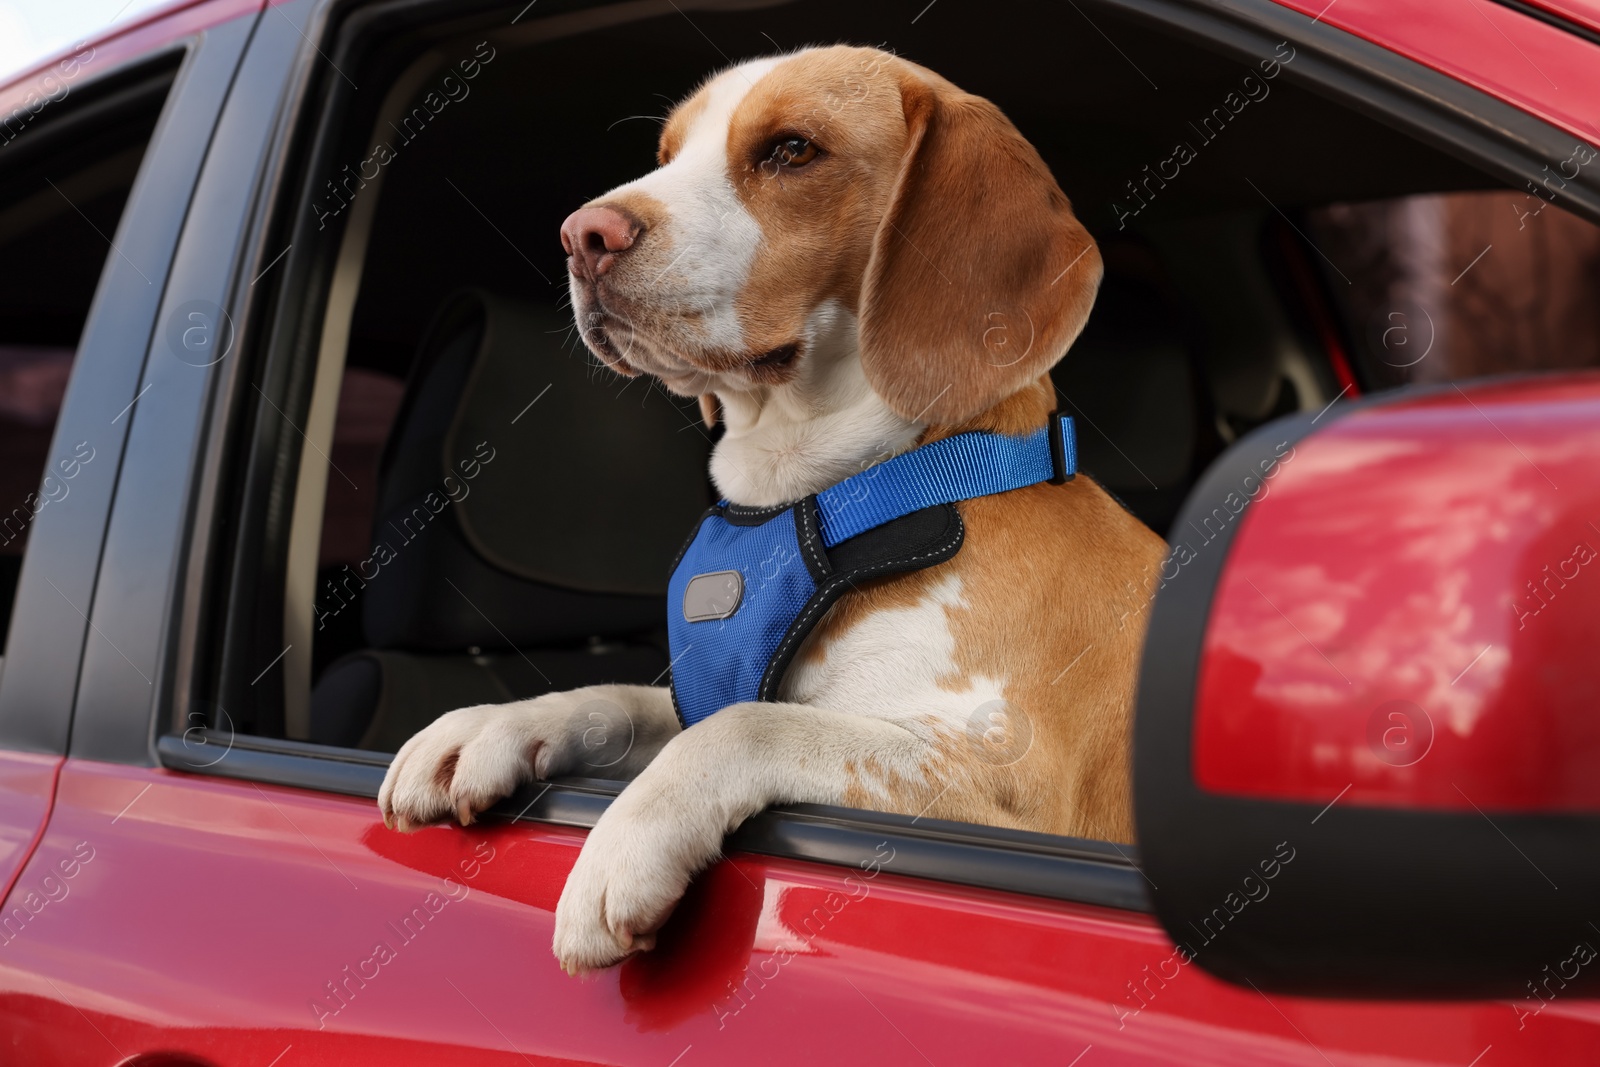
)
(480, 513)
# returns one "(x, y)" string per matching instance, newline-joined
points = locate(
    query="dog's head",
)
(834, 222)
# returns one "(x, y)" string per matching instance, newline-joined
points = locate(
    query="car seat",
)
(531, 504)
(1135, 385)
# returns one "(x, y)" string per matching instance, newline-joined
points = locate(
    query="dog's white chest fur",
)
(897, 662)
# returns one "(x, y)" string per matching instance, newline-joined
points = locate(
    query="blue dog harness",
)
(751, 583)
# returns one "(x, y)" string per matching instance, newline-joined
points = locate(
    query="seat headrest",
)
(541, 494)
(1145, 424)
(1131, 374)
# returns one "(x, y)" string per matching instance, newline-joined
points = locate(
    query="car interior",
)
(65, 174)
(501, 512)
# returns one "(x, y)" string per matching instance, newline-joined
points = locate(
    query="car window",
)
(495, 513)
(1462, 285)
(62, 193)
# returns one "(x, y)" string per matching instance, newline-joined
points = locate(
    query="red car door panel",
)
(27, 782)
(231, 923)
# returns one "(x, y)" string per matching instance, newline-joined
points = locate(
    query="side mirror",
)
(1367, 743)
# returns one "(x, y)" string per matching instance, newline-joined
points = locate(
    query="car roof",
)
(125, 42)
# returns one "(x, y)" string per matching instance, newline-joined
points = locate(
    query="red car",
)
(281, 326)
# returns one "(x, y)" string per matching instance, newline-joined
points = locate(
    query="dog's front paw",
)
(633, 869)
(467, 760)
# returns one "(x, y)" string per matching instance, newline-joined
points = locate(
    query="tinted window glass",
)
(62, 192)
(1463, 285)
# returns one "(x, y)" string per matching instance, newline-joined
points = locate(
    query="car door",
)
(235, 899)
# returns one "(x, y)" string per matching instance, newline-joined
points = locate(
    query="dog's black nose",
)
(593, 236)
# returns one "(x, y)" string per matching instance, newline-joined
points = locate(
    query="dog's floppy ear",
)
(980, 274)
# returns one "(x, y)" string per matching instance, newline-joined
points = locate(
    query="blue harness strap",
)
(751, 582)
(956, 468)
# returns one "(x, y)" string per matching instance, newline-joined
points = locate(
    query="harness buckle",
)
(1063, 448)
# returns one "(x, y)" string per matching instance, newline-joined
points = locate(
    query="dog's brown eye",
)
(793, 152)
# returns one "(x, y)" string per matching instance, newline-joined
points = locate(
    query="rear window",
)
(64, 178)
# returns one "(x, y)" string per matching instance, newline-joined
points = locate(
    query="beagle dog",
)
(844, 256)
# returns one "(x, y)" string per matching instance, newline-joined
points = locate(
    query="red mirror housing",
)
(1373, 670)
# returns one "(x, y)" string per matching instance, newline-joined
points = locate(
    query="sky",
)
(30, 30)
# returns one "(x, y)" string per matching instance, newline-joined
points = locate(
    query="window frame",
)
(134, 665)
(1439, 111)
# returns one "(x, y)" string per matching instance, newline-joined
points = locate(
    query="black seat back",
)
(1135, 384)
(529, 507)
